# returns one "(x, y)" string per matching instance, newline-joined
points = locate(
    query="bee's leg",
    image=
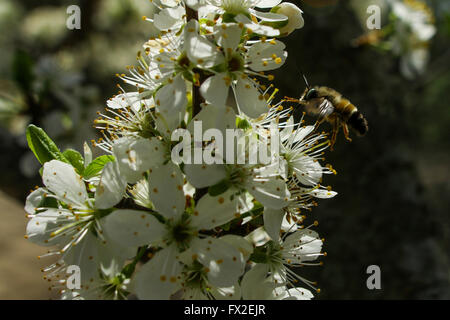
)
(336, 126)
(346, 133)
(318, 123)
(289, 99)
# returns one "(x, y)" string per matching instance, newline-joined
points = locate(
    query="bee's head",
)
(311, 94)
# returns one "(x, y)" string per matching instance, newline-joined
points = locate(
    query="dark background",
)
(393, 205)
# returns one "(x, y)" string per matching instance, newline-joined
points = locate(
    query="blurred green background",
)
(393, 205)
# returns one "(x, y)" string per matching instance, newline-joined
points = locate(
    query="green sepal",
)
(75, 159)
(219, 188)
(96, 166)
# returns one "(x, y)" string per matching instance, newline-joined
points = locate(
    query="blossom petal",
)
(225, 263)
(199, 50)
(243, 245)
(171, 104)
(166, 190)
(202, 175)
(297, 294)
(34, 199)
(136, 155)
(267, 3)
(132, 228)
(256, 277)
(211, 211)
(227, 293)
(308, 171)
(271, 192)
(302, 245)
(249, 99)
(158, 278)
(111, 187)
(41, 227)
(61, 178)
(215, 89)
(228, 36)
(268, 55)
(272, 222)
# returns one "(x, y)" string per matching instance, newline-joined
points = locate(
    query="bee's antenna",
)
(303, 75)
(306, 81)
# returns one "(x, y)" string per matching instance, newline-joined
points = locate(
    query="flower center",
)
(181, 233)
(235, 63)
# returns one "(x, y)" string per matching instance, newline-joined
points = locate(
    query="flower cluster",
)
(137, 222)
(407, 35)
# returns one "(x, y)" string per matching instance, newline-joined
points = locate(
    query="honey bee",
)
(329, 105)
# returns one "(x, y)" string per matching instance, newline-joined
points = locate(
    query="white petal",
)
(166, 190)
(215, 89)
(158, 278)
(169, 18)
(269, 16)
(136, 155)
(303, 245)
(323, 193)
(302, 132)
(228, 36)
(225, 263)
(243, 245)
(257, 28)
(307, 170)
(42, 225)
(87, 154)
(111, 187)
(211, 211)
(199, 50)
(255, 285)
(272, 222)
(125, 100)
(258, 237)
(272, 193)
(61, 178)
(34, 199)
(297, 294)
(171, 102)
(85, 255)
(202, 175)
(263, 56)
(267, 3)
(227, 293)
(132, 228)
(214, 117)
(249, 99)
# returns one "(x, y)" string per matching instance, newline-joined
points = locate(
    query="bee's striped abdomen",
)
(345, 108)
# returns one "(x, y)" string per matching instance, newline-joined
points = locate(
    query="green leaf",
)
(75, 159)
(42, 146)
(96, 166)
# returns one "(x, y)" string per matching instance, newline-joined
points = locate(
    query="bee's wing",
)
(326, 108)
(319, 107)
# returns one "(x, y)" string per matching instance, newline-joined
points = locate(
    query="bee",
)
(329, 105)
